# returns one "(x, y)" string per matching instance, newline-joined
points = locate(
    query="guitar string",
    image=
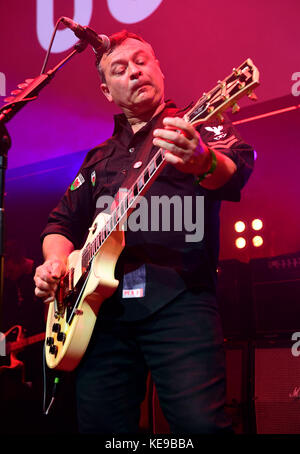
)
(79, 296)
(131, 190)
(110, 226)
(133, 200)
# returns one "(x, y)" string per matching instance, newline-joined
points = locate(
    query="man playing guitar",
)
(163, 317)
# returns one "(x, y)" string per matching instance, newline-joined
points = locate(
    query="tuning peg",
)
(224, 95)
(22, 85)
(236, 72)
(220, 117)
(251, 95)
(235, 108)
(15, 92)
(9, 99)
(205, 95)
(210, 109)
(241, 84)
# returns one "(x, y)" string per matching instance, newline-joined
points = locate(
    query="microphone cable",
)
(50, 46)
(80, 46)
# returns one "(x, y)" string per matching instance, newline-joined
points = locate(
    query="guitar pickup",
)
(69, 296)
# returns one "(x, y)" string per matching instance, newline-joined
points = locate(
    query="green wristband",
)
(212, 167)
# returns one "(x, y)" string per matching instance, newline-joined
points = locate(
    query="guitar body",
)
(65, 350)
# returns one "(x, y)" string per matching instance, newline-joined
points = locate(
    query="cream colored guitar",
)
(90, 277)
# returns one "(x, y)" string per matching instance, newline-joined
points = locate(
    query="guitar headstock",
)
(26, 91)
(242, 81)
(21, 93)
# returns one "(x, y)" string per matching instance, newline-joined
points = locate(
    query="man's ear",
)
(106, 92)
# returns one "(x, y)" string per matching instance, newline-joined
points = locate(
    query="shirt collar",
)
(121, 122)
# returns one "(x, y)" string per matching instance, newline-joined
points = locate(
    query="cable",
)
(54, 389)
(50, 45)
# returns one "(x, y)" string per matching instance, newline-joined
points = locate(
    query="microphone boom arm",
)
(31, 91)
(7, 112)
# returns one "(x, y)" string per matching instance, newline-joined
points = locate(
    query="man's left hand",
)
(184, 146)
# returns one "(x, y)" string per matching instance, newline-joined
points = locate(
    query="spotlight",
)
(257, 224)
(239, 226)
(240, 242)
(257, 241)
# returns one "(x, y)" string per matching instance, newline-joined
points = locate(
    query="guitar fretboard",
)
(125, 206)
(26, 341)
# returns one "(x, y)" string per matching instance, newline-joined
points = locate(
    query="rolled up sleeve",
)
(73, 214)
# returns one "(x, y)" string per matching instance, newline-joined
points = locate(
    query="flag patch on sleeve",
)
(79, 180)
(93, 178)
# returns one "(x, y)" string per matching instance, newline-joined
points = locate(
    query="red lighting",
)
(257, 224)
(240, 242)
(239, 226)
(257, 241)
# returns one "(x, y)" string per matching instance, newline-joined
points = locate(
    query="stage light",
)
(239, 226)
(257, 241)
(240, 242)
(257, 224)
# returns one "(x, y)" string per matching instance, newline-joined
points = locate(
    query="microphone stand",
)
(29, 93)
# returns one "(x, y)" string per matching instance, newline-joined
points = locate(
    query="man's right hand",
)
(47, 278)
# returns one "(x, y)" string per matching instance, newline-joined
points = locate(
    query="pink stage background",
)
(197, 42)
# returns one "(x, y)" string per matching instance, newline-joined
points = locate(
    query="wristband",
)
(212, 167)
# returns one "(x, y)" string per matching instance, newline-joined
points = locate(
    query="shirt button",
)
(131, 150)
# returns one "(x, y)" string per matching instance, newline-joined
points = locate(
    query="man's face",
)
(134, 80)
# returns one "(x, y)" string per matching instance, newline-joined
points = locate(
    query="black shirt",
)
(155, 266)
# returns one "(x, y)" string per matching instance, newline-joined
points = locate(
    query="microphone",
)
(99, 43)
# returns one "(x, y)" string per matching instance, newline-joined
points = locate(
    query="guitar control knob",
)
(50, 341)
(61, 337)
(53, 350)
(56, 328)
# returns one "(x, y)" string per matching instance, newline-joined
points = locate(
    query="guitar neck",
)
(127, 204)
(239, 83)
(18, 345)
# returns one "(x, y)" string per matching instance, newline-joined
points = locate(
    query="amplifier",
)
(276, 388)
(276, 294)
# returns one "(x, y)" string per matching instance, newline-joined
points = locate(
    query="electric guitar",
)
(90, 276)
(9, 350)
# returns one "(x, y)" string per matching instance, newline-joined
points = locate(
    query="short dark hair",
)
(116, 40)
